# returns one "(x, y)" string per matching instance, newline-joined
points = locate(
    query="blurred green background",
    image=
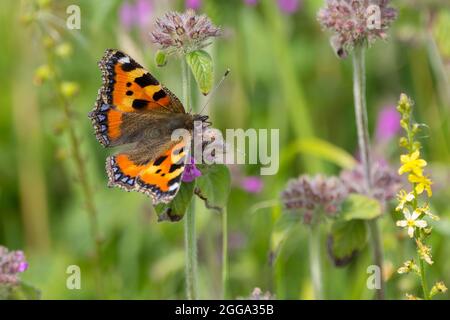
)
(284, 75)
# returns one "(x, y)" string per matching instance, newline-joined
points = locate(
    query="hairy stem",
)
(224, 252)
(314, 261)
(359, 92)
(190, 239)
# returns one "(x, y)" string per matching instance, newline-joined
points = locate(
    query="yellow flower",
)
(411, 222)
(403, 198)
(421, 183)
(407, 267)
(426, 211)
(424, 252)
(412, 297)
(412, 163)
(439, 287)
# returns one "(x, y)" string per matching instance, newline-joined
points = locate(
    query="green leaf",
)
(201, 65)
(29, 292)
(22, 291)
(175, 210)
(347, 238)
(318, 148)
(214, 185)
(283, 226)
(160, 58)
(357, 206)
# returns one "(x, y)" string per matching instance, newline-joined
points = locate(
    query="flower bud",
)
(69, 89)
(64, 50)
(42, 74)
(160, 58)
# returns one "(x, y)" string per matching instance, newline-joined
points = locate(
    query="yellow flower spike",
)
(412, 163)
(421, 183)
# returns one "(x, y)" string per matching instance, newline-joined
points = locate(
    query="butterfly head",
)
(202, 118)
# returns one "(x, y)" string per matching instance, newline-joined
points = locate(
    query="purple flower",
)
(23, 266)
(126, 15)
(193, 4)
(354, 22)
(386, 181)
(310, 196)
(190, 171)
(251, 2)
(252, 184)
(137, 14)
(388, 123)
(183, 32)
(11, 264)
(258, 294)
(143, 11)
(289, 6)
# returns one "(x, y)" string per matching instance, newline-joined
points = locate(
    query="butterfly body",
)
(134, 109)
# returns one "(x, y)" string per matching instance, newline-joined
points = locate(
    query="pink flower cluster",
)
(355, 22)
(11, 264)
(310, 194)
(183, 32)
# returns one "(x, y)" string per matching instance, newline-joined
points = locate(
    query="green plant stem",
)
(359, 91)
(190, 239)
(224, 252)
(82, 173)
(314, 261)
(423, 279)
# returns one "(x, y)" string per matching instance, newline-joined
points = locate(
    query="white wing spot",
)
(124, 60)
(174, 186)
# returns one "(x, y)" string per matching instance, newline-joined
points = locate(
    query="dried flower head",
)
(385, 181)
(310, 194)
(355, 22)
(183, 32)
(11, 264)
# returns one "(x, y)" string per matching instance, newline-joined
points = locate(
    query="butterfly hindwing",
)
(159, 178)
(127, 88)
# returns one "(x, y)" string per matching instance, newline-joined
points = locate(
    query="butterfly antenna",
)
(214, 90)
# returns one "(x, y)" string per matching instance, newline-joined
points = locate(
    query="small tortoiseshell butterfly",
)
(134, 108)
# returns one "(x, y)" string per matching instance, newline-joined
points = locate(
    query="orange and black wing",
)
(159, 178)
(127, 88)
